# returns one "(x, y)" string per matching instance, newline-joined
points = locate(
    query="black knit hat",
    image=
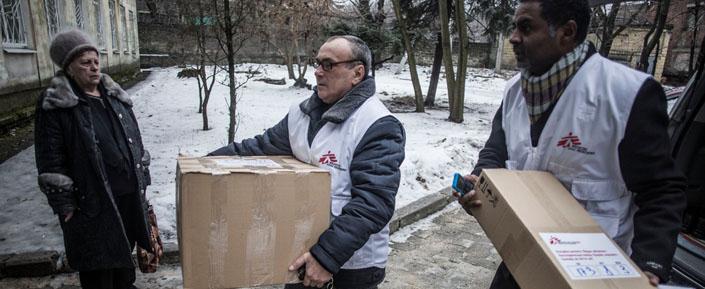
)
(68, 45)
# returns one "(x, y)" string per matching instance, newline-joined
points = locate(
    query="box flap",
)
(222, 165)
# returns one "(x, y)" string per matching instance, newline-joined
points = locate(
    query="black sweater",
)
(648, 171)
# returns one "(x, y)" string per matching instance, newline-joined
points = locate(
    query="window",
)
(113, 25)
(99, 23)
(132, 31)
(12, 24)
(123, 19)
(54, 16)
(78, 11)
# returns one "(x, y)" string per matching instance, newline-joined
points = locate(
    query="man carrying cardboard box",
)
(598, 126)
(347, 130)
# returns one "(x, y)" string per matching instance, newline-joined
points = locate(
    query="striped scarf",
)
(541, 92)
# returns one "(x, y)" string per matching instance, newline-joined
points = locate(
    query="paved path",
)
(449, 250)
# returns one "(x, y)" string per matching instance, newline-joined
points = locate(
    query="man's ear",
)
(569, 34)
(359, 74)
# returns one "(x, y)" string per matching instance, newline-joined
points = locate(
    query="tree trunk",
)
(289, 64)
(205, 113)
(447, 56)
(301, 81)
(608, 28)
(207, 93)
(207, 88)
(654, 36)
(363, 6)
(412, 60)
(200, 95)
(228, 27)
(402, 63)
(435, 74)
(456, 113)
(695, 36)
(500, 50)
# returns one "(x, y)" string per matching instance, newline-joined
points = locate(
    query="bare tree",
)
(292, 28)
(447, 56)
(422, 17)
(458, 105)
(203, 77)
(435, 73)
(606, 22)
(653, 37)
(696, 24)
(412, 59)
(456, 83)
(383, 43)
(235, 22)
(199, 26)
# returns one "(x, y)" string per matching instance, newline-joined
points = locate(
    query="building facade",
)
(27, 28)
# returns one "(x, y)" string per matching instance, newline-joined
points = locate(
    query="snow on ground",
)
(166, 108)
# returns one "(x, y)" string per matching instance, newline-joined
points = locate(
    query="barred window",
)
(78, 11)
(131, 31)
(123, 19)
(14, 34)
(54, 16)
(113, 24)
(98, 13)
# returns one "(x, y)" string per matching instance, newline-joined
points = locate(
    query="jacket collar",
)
(60, 94)
(345, 107)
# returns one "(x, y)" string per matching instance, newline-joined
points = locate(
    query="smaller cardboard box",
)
(242, 220)
(546, 238)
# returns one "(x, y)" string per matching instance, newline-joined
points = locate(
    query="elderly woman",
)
(91, 164)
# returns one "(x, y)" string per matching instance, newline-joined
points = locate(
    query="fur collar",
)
(60, 94)
(345, 107)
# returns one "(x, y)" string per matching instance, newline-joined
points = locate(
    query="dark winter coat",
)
(73, 174)
(374, 171)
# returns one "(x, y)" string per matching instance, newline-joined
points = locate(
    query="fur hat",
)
(68, 45)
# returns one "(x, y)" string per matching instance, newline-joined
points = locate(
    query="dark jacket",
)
(374, 171)
(71, 168)
(648, 171)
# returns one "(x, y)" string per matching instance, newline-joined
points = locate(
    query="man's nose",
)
(318, 71)
(515, 38)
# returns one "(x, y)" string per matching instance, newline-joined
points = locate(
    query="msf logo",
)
(329, 159)
(556, 241)
(572, 142)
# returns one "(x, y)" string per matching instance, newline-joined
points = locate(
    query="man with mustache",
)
(344, 128)
(597, 125)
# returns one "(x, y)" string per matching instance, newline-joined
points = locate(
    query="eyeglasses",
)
(328, 65)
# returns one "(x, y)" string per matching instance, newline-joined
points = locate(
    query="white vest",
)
(579, 143)
(332, 149)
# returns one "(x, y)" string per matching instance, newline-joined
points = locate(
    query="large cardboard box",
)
(545, 236)
(243, 220)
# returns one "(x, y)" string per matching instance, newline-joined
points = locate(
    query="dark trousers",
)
(503, 279)
(121, 278)
(366, 278)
